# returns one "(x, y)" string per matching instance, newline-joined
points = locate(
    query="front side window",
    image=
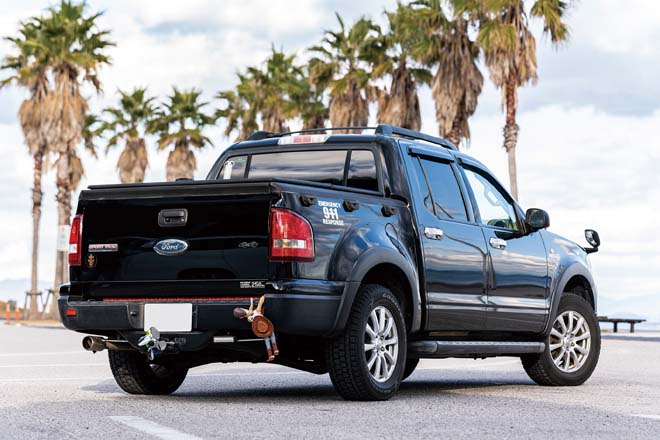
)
(447, 199)
(493, 206)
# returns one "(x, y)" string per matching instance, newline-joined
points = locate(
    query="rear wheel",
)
(367, 361)
(572, 348)
(135, 375)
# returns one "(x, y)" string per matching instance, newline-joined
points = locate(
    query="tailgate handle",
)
(169, 218)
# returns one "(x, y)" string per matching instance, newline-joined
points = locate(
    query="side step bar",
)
(442, 349)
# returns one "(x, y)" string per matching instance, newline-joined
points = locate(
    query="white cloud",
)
(621, 27)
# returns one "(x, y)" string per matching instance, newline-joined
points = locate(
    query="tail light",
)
(75, 241)
(291, 236)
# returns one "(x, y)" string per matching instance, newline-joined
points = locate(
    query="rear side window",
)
(234, 168)
(362, 170)
(446, 195)
(334, 167)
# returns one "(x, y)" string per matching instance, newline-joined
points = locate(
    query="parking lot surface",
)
(52, 389)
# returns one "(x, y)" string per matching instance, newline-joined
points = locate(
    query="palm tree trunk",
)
(317, 121)
(181, 163)
(63, 198)
(349, 109)
(37, 196)
(400, 106)
(456, 133)
(511, 132)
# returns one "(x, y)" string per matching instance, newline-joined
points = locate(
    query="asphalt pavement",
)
(51, 389)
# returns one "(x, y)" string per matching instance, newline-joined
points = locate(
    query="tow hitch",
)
(155, 346)
(261, 326)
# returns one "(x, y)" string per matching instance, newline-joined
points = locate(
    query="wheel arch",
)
(389, 268)
(575, 279)
(579, 285)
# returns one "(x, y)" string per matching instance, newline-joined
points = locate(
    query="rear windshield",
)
(354, 168)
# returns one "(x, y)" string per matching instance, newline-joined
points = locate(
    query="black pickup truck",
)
(367, 252)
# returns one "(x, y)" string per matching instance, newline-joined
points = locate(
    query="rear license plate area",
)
(168, 317)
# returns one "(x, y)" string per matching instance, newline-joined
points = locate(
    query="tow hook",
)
(155, 346)
(261, 326)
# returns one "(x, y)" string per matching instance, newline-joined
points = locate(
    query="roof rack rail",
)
(258, 135)
(389, 130)
(384, 129)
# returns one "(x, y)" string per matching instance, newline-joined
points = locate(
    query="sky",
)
(588, 147)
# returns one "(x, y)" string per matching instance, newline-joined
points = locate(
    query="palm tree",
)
(400, 105)
(275, 92)
(28, 73)
(445, 42)
(70, 45)
(241, 108)
(308, 99)
(181, 124)
(128, 123)
(275, 85)
(510, 52)
(341, 64)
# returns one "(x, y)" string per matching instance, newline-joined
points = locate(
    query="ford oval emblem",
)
(170, 246)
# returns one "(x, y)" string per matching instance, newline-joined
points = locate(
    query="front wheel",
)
(135, 375)
(367, 361)
(572, 347)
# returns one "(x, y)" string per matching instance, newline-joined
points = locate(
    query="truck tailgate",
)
(124, 227)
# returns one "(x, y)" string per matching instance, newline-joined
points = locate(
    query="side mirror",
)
(593, 239)
(537, 219)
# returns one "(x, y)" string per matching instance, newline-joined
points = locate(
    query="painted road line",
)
(105, 364)
(153, 428)
(252, 373)
(47, 379)
(55, 379)
(647, 416)
(56, 353)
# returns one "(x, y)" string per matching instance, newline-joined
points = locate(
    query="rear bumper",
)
(310, 314)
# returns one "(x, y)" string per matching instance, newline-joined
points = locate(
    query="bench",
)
(616, 322)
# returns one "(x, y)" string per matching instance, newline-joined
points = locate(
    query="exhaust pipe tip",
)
(93, 343)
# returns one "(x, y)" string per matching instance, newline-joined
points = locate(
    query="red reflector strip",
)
(71, 312)
(183, 299)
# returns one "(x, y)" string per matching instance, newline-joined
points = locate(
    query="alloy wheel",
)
(570, 341)
(381, 346)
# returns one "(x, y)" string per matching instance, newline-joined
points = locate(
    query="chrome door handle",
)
(434, 233)
(497, 243)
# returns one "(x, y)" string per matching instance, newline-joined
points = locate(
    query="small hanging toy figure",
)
(261, 326)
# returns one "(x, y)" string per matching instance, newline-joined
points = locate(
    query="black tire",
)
(345, 354)
(411, 364)
(135, 375)
(541, 368)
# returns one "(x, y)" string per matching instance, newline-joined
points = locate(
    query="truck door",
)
(518, 291)
(453, 247)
